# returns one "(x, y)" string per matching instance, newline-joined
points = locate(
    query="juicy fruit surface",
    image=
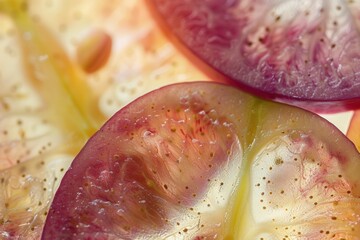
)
(179, 163)
(308, 50)
(54, 93)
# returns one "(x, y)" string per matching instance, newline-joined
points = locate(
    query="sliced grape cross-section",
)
(298, 52)
(206, 161)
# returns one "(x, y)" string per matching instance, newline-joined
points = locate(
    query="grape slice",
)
(306, 54)
(141, 57)
(179, 162)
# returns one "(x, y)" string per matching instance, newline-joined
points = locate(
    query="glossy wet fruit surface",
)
(306, 51)
(180, 163)
(54, 94)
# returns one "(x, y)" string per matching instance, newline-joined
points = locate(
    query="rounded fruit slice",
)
(306, 54)
(206, 161)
